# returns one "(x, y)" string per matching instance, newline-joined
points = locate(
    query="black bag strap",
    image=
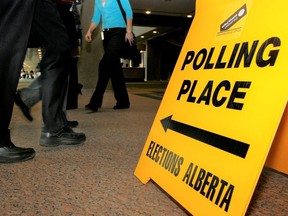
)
(122, 10)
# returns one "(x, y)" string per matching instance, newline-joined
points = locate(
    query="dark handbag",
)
(128, 51)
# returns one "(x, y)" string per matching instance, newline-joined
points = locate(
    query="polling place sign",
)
(216, 122)
(278, 155)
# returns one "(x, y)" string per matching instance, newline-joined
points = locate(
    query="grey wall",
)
(91, 53)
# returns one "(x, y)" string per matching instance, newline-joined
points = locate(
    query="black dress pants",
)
(15, 23)
(18, 19)
(110, 67)
(50, 32)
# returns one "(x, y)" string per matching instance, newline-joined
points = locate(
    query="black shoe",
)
(25, 110)
(72, 124)
(65, 136)
(91, 108)
(12, 154)
(118, 106)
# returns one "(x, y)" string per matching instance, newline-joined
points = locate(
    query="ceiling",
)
(166, 16)
(164, 7)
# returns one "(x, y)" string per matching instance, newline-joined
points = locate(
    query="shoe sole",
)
(16, 160)
(58, 141)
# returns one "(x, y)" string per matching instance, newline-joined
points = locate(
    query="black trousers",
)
(49, 30)
(110, 67)
(20, 20)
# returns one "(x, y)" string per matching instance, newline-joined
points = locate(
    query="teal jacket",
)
(110, 14)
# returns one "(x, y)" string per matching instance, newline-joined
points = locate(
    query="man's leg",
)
(13, 42)
(32, 93)
(28, 97)
(51, 34)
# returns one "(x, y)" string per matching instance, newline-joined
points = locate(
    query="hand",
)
(88, 36)
(129, 36)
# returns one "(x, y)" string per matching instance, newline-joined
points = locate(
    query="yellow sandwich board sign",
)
(221, 109)
(278, 155)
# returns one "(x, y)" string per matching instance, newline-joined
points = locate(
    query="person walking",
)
(13, 15)
(41, 20)
(49, 30)
(114, 33)
(30, 95)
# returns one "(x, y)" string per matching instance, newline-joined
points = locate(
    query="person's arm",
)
(129, 27)
(94, 22)
(129, 20)
(129, 30)
(88, 35)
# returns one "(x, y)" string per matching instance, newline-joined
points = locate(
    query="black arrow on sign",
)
(224, 143)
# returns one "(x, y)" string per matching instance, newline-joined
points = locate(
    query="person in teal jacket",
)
(116, 30)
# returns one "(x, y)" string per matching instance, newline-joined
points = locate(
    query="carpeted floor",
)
(97, 178)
